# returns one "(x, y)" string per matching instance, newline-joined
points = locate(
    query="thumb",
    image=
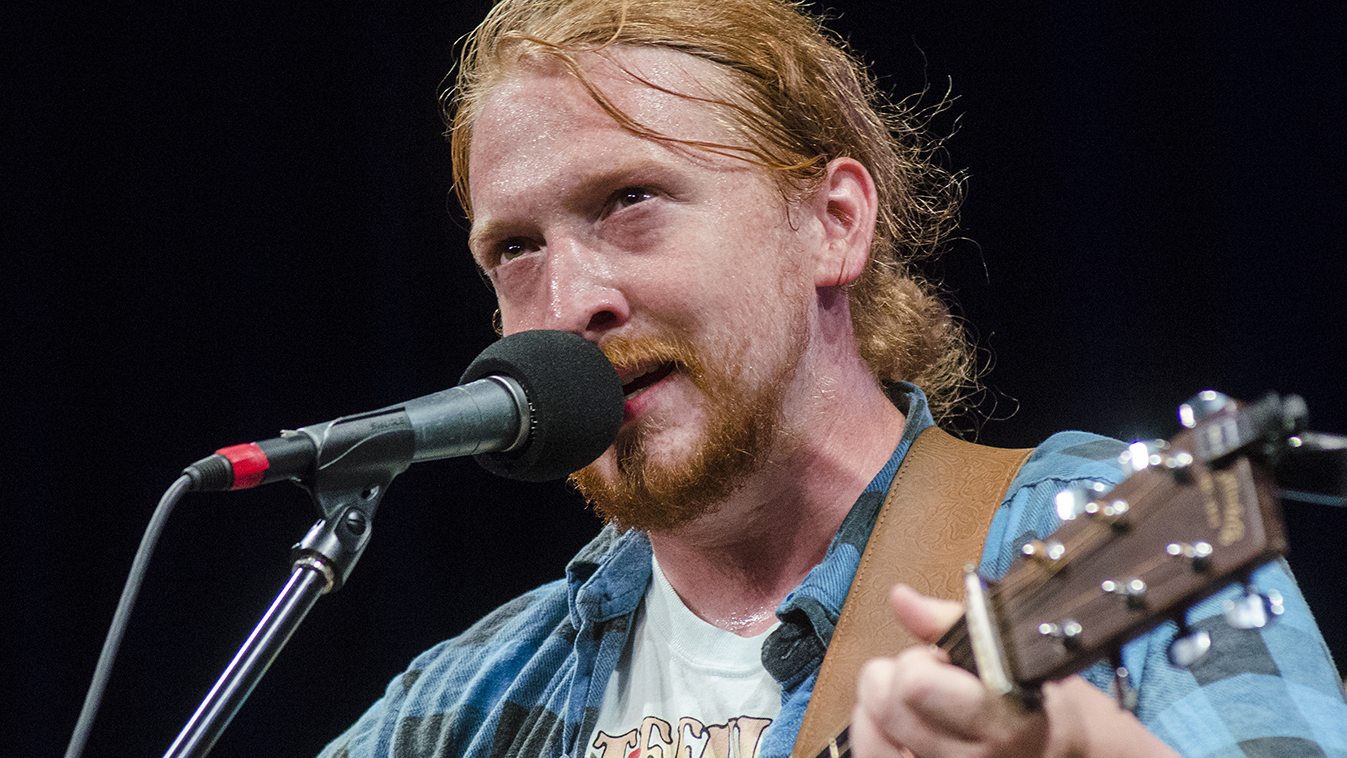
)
(927, 618)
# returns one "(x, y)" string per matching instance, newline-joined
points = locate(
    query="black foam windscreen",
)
(576, 400)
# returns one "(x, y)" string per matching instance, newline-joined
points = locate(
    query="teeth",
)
(634, 378)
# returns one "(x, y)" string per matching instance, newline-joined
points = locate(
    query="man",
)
(716, 196)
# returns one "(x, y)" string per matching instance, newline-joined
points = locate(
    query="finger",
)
(875, 721)
(921, 701)
(915, 693)
(941, 697)
(867, 740)
(925, 617)
(1082, 718)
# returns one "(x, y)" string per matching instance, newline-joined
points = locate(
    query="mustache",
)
(627, 352)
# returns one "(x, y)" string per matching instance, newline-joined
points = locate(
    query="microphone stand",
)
(357, 458)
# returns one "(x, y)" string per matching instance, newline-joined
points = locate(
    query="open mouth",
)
(646, 377)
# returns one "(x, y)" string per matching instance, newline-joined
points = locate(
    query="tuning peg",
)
(1253, 610)
(1198, 553)
(1188, 648)
(1075, 502)
(1133, 590)
(1068, 632)
(1045, 551)
(1144, 453)
(1295, 414)
(1126, 694)
(1201, 405)
(1156, 453)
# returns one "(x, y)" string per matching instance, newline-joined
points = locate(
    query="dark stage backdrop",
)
(221, 219)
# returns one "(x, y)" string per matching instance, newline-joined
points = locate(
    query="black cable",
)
(123, 614)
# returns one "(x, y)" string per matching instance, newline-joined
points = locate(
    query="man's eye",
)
(631, 196)
(513, 248)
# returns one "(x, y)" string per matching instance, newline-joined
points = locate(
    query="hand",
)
(919, 704)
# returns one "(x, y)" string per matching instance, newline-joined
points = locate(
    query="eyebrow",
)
(475, 236)
(634, 170)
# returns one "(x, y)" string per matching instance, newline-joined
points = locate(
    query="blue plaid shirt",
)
(527, 680)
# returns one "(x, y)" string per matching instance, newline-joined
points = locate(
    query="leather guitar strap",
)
(933, 522)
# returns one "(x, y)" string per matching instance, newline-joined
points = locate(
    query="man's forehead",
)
(541, 111)
(642, 82)
(664, 67)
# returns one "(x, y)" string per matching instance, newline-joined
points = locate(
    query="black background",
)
(224, 219)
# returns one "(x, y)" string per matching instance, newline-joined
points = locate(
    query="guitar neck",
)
(1195, 514)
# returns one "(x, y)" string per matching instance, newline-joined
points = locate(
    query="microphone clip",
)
(356, 459)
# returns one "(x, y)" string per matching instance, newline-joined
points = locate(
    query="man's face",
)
(685, 267)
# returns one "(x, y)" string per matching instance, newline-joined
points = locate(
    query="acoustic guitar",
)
(1196, 514)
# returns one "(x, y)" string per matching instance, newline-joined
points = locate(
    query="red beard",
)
(741, 427)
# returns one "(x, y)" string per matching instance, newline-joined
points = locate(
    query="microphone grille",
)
(575, 395)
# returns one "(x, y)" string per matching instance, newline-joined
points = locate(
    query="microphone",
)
(533, 406)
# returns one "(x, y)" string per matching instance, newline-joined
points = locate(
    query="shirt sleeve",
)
(452, 697)
(1270, 691)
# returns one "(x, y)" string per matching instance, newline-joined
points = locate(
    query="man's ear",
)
(847, 206)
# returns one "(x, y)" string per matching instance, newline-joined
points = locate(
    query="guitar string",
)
(1085, 547)
(1012, 593)
(1080, 538)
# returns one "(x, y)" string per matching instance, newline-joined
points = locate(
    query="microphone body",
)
(533, 406)
(483, 416)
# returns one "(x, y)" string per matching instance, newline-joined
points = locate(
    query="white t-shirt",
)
(684, 688)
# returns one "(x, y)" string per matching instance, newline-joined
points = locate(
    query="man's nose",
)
(584, 296)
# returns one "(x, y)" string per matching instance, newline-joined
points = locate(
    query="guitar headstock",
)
(1196, 513)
